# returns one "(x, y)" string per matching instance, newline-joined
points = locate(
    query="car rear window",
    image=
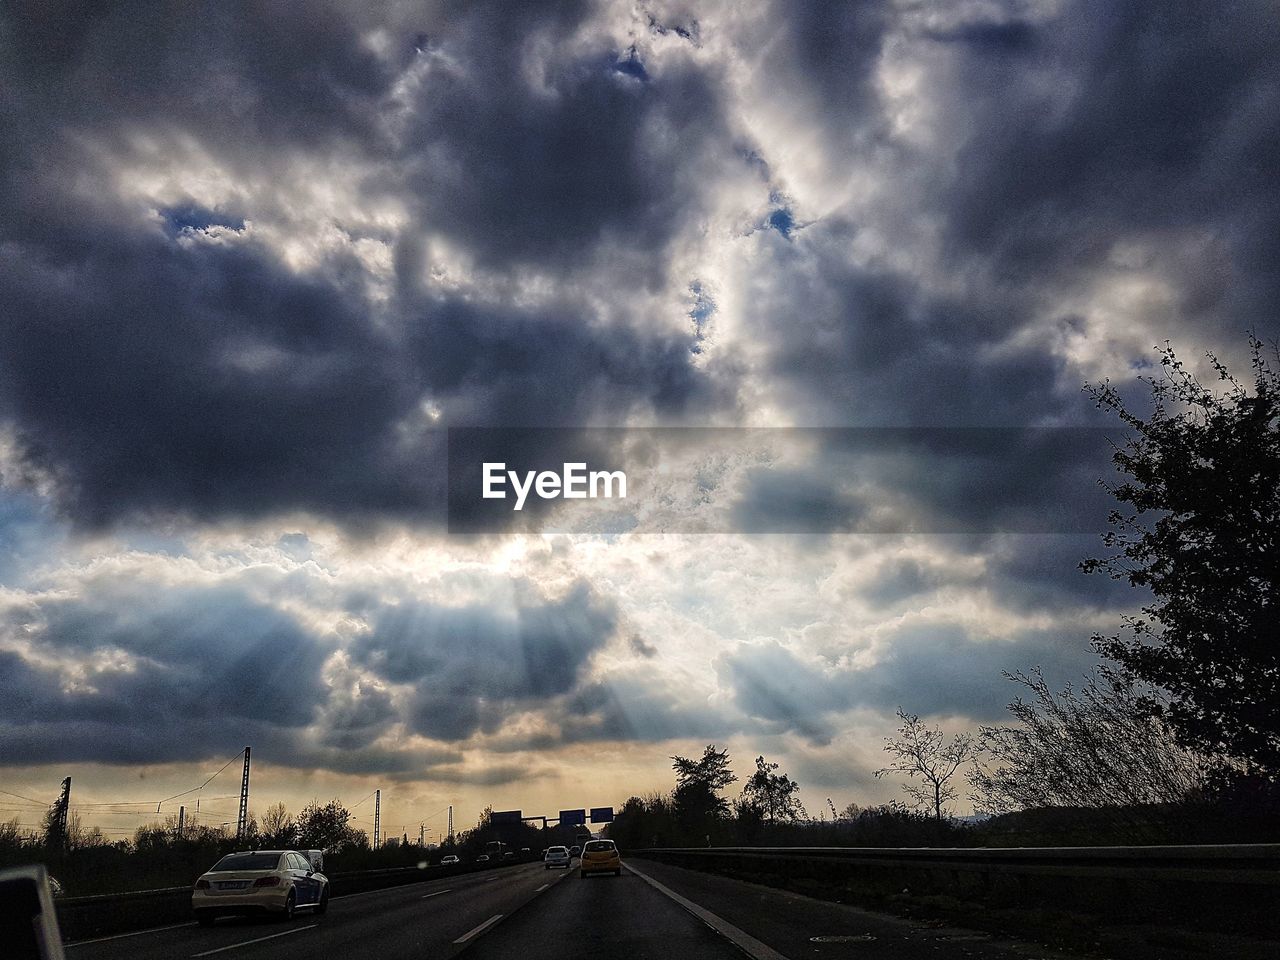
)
(246, 861)
(556, 851)
(598, 846)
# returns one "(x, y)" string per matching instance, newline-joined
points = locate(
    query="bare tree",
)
(1095, 746)
(278, 828)
(928, 760)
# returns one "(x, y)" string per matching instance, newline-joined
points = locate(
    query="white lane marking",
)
(541, 888)
(236, 946)
(740, 938)
(491, 879)
(476, 931)
(400, 886)
(121, 936)
(428, 896)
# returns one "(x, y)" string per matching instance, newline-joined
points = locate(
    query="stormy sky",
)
(258, 259)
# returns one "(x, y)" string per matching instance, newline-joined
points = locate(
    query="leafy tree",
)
(1086, 747)
(1200, 533)
(925, 755)
(698, 804)
(711, 769)
(325, 827)
(775, 795)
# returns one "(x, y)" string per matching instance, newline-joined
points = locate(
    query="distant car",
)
(316, 858)
(508, 855)
(601, 856)
(449, 860)
(575, 851)
(556, 857)
(483, 858)
(55, 888)
(259, 881)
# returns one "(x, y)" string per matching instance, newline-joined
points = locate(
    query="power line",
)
(203, 785)
(147, 803)
(28, 799)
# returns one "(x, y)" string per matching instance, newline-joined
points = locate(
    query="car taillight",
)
(267, 882)
(202, 884)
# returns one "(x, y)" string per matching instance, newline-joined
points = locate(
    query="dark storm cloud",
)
(867, 346)
(126, 388)
(1028, 573)
(172, 370)
(930, 480)
(258, 72)
(930, 669)
(607, 152)
(641, 647)
(1172, 120)
(151, 370)
(637, 703)
(1043, 574)
(471, 665)
(795, 501)
(354, 719)
(164, 674)
(1055, 142)
(833, 49)
(155, 675)
(902, 580)
(946, 669)
(205, 652)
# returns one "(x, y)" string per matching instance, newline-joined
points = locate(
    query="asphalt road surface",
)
(528, 913)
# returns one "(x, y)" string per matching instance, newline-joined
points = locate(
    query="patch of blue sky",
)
(631, 65)
(704, 308)
(30, 536)
(782, 221)
(193, 217)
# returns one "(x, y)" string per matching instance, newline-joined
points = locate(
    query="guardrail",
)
(100, 915)
(1215, 887)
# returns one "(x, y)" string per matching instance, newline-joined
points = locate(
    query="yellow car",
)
(600, 856)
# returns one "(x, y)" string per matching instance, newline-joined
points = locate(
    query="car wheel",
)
(323, 905)
(205, 918)
(290, 905)
(546, 866)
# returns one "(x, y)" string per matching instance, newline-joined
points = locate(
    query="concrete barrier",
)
(1227, 887)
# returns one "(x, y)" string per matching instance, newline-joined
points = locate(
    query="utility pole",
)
(244, 800)
(182, 819)
(61, 806)
(451, 824)
(377, 818)
(422, 834)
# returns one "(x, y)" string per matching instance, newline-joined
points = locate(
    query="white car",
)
(556, 857)
(259, 881)
(449, 861)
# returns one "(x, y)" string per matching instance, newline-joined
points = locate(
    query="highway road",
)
(528, 913)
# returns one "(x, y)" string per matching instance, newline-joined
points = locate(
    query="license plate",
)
(233, 884)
